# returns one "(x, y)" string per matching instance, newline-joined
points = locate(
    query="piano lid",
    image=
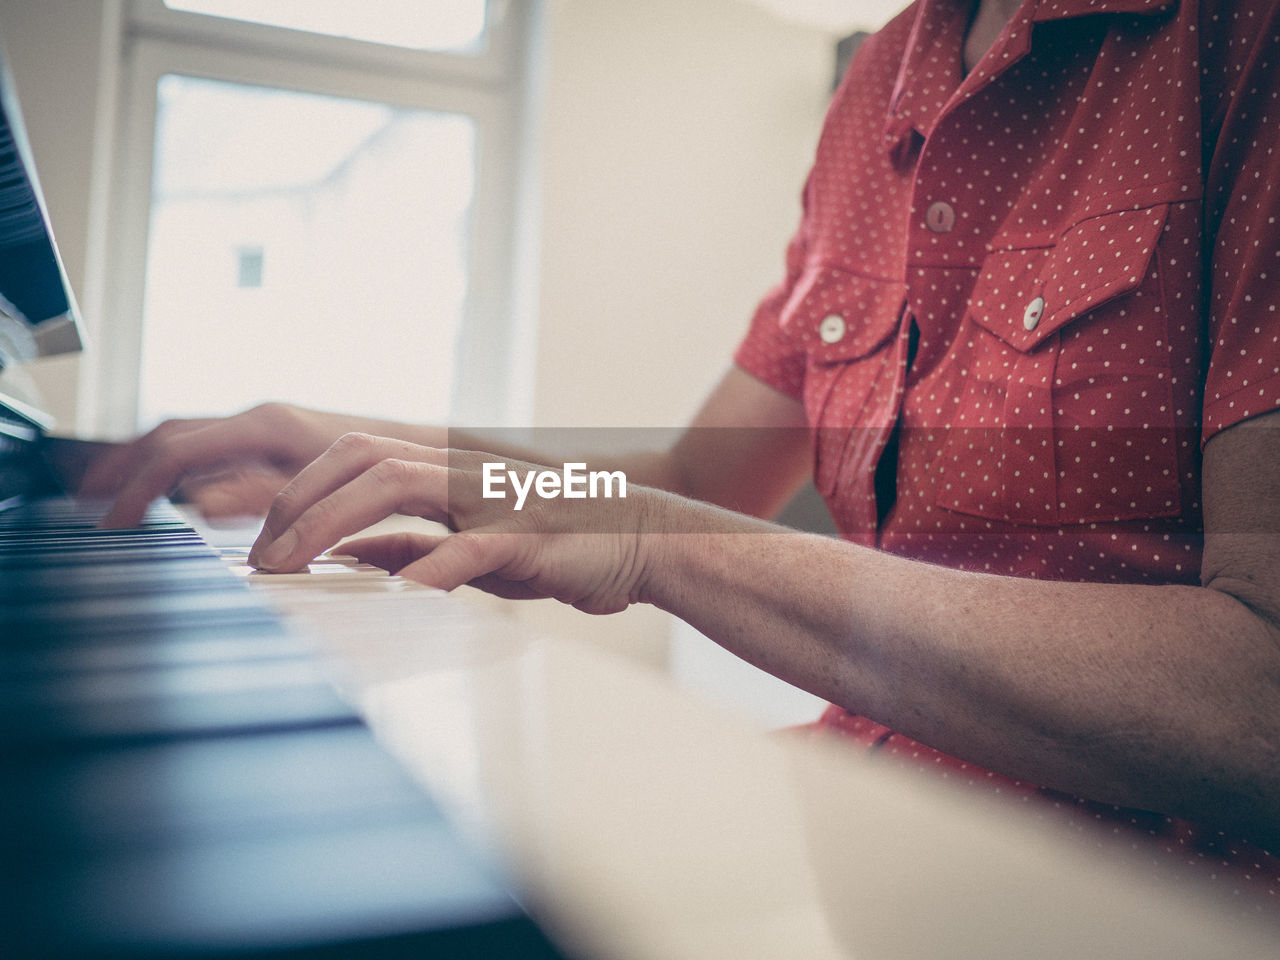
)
(38, 314)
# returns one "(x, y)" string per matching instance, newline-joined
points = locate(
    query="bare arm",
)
(1166, 698)
(747, 449)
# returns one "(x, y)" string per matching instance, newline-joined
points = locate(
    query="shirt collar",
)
(931, 67)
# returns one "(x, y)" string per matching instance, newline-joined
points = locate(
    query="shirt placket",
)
(951, 220)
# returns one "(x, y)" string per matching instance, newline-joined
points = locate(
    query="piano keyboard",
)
(179, 778)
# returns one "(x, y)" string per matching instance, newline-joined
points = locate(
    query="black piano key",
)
(53, 533)
(178, 624)
(182, 700)
(395, 886)
(86, 555)
(69, 511)
(71, 803)
(110, 616)
(207, 643)
(110, 580)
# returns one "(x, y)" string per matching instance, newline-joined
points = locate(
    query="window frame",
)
(487, 86)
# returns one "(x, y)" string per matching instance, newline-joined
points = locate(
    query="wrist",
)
(655, 555)
(681, 547)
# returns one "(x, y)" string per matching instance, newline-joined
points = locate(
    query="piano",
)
(178, 775)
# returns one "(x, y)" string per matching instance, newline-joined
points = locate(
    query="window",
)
(416, 24)
(311, 214)
(367, 208)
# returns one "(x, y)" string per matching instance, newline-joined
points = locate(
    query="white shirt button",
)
(1031, 316)
(940, 217)
(832, 328)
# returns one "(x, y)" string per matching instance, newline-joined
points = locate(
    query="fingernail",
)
(276, 554)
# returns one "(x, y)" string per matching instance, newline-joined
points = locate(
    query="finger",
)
(387, 487)
(506, 589)
(242, 493)
(462, 558)
(108, 471)
(345, 460)
(393, 551)
(175, 455)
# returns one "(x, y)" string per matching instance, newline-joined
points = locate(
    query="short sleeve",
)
(1242, 203)
(767, 352)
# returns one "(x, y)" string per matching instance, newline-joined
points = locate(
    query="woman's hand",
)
(586, 552)
(225, 466)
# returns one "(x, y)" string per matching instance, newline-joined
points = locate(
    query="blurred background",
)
(492, 213)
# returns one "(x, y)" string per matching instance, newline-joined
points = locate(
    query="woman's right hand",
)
(224, 466)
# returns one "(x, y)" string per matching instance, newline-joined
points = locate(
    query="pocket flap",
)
(1025, 295)
(840, 316)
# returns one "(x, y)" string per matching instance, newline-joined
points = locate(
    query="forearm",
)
(1156, 697)
(748, 449)
(750, 470)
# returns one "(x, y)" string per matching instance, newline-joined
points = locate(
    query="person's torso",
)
(1002, 289)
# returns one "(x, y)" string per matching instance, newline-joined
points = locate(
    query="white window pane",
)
(303, 248)
(416, 24)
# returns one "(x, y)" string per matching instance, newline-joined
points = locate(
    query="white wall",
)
(676, 138)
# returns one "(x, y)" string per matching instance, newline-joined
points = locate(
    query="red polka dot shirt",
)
(1020, 300)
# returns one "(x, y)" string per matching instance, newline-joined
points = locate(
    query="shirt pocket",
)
(846, 324)
(1066, 412)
